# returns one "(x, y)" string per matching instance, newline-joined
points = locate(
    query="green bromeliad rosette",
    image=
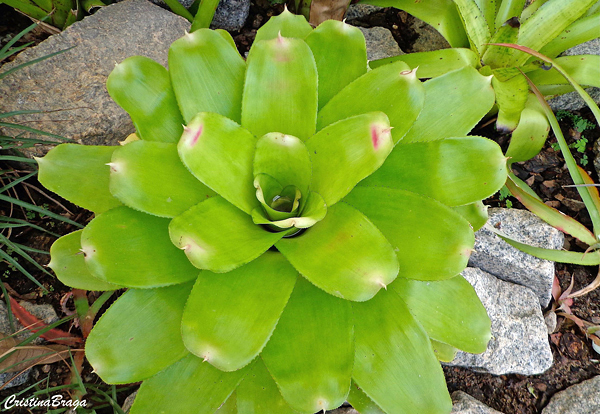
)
(286, 249)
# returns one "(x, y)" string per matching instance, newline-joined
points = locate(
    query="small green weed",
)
(504, 196)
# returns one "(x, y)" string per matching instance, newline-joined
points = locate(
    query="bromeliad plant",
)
(288, 248)
(474, 27)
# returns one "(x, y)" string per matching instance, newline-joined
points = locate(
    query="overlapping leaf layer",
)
(302, 231)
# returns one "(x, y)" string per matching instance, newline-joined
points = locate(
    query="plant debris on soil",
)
(574, 358)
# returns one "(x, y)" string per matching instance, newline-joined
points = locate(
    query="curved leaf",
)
(585, 70)
(344, 254)
(449, 311)
(149, 177)
(207, 74)
(188, 386)
(280, 91)
(340, 54)
(122, 346)
(454, 171)
(217, 236)
(133, 249)
(361, 402)
(431, 241)
(443, 352)
(68, 263)
(441, 116)
(442, 15)
(394, 362)
(229, 334)
(142, 87)
(476, 24)
(219, 152)
(511, 97)
(79, 173)
(393, 89)
(346, 152)
(312, 365)
(435, 63)
(530, 135)
(507, 10)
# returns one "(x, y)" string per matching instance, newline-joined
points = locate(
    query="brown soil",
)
(574, 359)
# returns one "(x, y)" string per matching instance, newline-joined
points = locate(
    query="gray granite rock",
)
(583, 398)
(73, 84)
(429, 39)
(231, 15)
(380, 43)
(360, 11)
(44, 312)
(497, 257)
(551, 321)
(572, 101)
(463, 403)
(519, 341)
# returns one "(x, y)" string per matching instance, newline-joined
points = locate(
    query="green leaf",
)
(530, 135)
(344, 254)
(443, 352)
(585, 70)
(552, 216)
(69, 264)
(143, 89)
(149, 177)
(580, 31)
(476, 24)
(220, 153)
(475, 213)
(511, 97)
(549, 21)
(361, 402)
(204, 15)
(219, 237)
(442, 15)
(286, 24)
(346, 152)
(441, 116)
(312, 365)
(122, 346)
(502, 57)
(449, 311)
(280, 91)
(229, 334)
(258, 393)
(79, 173)
(454, 171)
(188, 386)
(133, 249)
(286, 159)
(435, 63)
(392, 89)
(269, 191)
(431, 241)
(207, 74)
(340, 54)
(394, 362)
(561, 256)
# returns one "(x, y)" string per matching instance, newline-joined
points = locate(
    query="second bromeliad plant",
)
(298, 243)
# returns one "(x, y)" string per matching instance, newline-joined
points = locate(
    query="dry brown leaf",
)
(23, 357)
